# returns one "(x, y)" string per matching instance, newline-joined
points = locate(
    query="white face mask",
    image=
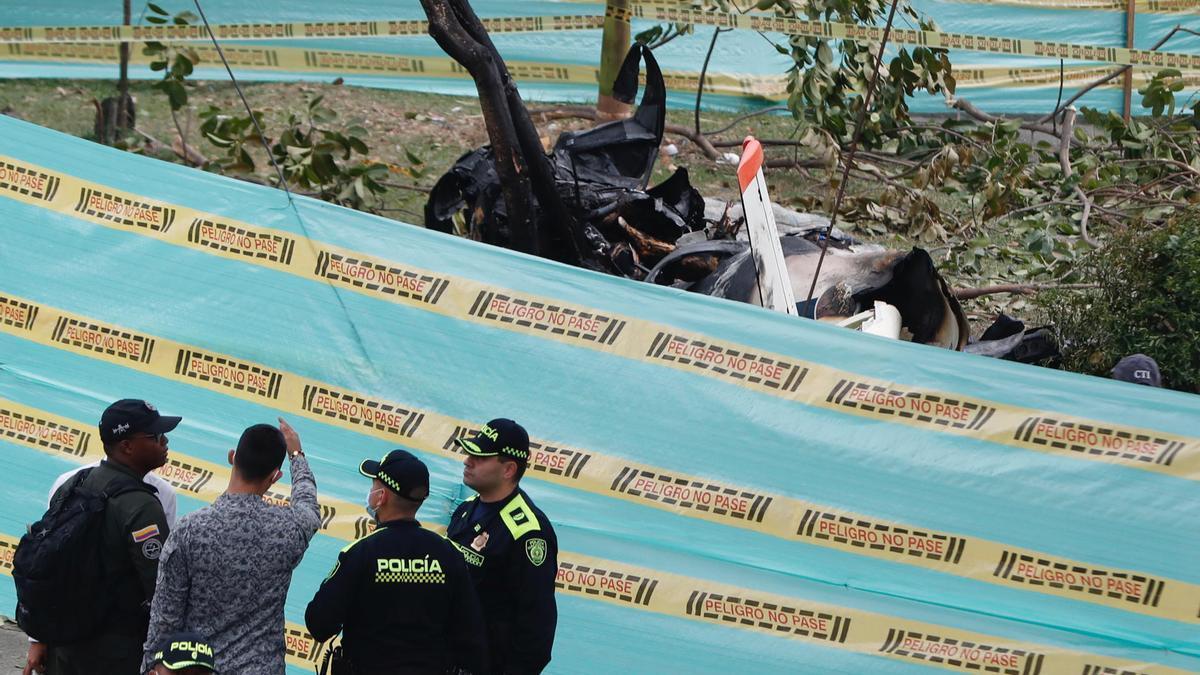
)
(372, 510)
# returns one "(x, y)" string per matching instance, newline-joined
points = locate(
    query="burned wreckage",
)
(670, 235)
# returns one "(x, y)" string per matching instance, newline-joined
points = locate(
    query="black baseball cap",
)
(133, 415)
(1138, 369)
(406, 475)
(185, 650)
(499, 437)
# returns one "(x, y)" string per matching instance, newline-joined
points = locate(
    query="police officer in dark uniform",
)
(510, 548)
(135, 443)
(401, 596)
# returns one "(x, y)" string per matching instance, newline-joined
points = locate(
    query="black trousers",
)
(104, 655)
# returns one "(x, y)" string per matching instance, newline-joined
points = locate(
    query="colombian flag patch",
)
(145, 533)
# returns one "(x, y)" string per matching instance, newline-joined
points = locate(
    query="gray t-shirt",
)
(224, 573)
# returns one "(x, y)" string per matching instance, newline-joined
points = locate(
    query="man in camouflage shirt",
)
(225, 570)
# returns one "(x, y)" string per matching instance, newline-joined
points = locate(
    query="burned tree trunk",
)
(450, 35)
(520, 160)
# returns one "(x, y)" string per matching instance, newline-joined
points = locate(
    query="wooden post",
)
(617, 37)
(123, 121)
(1130, 13)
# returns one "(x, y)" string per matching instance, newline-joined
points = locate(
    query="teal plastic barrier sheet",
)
(734, 490)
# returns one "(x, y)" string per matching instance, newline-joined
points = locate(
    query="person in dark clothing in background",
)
(1138, 369)
(134, 435)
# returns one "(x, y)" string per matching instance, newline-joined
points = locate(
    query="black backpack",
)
(59, 567)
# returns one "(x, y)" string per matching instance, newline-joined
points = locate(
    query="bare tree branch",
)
(1064, 159)
(1019, 289)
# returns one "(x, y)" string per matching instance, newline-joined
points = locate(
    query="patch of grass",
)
(438, 129)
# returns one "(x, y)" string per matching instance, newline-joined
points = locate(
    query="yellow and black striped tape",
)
(647, 9)
(687, 597)
(657, 10)
(292, 59)
(579, 468)
(300, 649)
(283, 31)
(805, 382)
(1140, 6)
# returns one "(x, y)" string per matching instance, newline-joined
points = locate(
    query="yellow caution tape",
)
(300, 649)
(339, 62)
(657, 10)
(1139, 6)
(294, 59)
(970, 76)
(804, 382)
(647, 9)
(283, 31)
(431, 432)
(818, 623)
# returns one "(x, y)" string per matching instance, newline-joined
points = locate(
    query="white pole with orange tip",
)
(774, 284)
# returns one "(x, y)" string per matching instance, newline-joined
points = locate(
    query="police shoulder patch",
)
(151, 549)
(535, 549)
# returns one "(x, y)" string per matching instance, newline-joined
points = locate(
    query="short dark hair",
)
(521, 466)
(260, 451)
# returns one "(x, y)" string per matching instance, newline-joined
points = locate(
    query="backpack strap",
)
(125, 485)
(65, 489)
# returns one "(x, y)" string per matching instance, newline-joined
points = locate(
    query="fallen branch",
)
(1018, 289)
(1064, 159)
(401, 186)
(969, 108)
(794, 164)
(742, 118)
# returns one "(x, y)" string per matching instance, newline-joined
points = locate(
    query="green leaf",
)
(176, 94)
(824, 54)
(325, 168)
(1047, 170)
(155, 19)
(156, 9)
(649, 35)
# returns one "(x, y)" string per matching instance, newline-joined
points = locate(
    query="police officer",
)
(510, 549)
(401, 596)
